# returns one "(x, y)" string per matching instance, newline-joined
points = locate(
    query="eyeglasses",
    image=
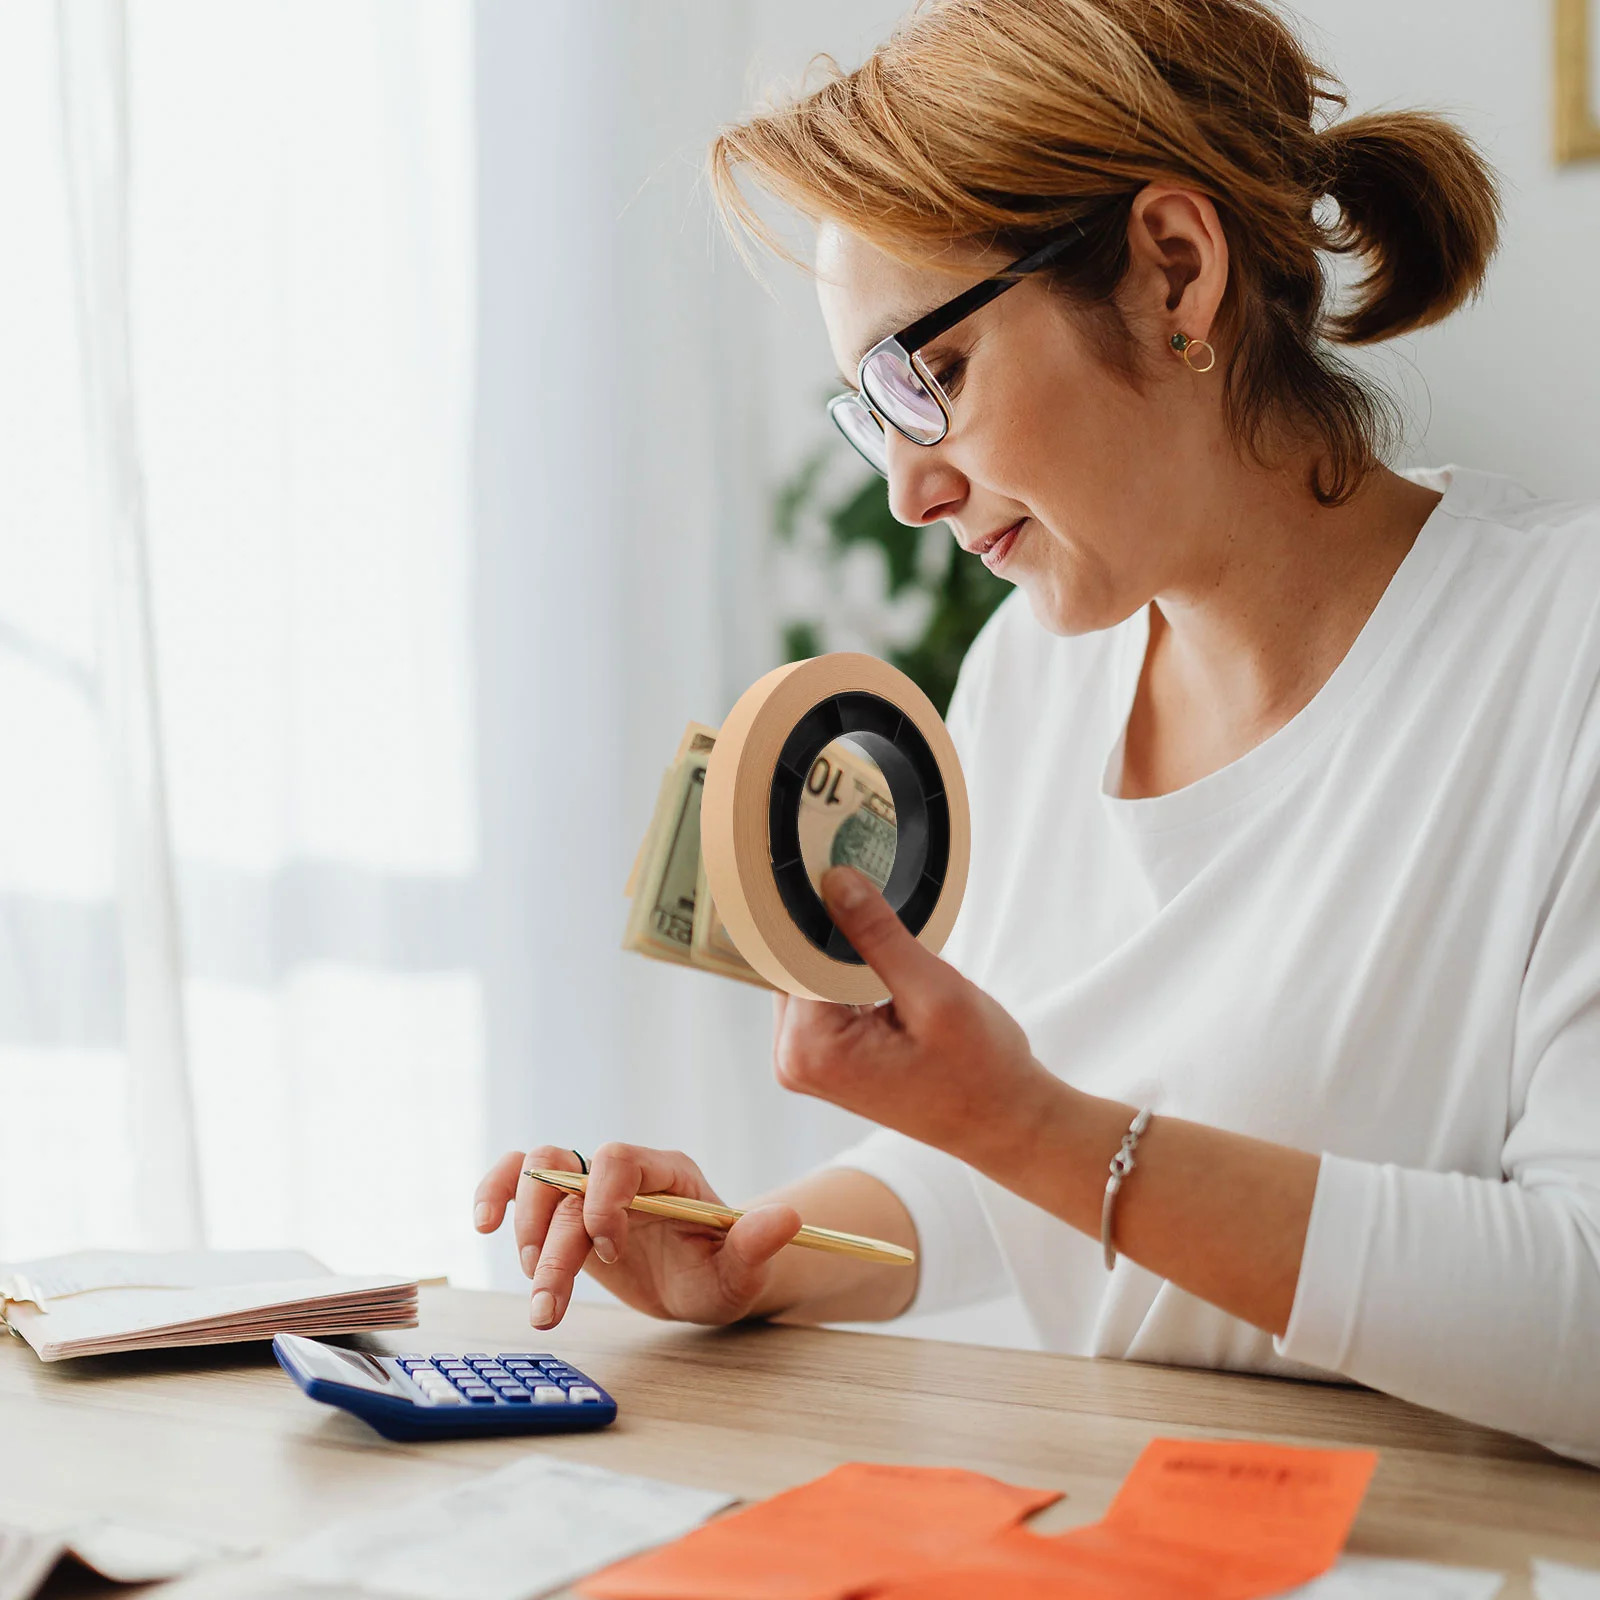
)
(895, 389)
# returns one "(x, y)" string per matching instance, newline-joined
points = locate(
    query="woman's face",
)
(1092, 469)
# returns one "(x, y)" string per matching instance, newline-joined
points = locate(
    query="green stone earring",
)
(1186, 347)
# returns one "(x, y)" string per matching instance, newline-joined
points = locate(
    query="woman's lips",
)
(994, 553)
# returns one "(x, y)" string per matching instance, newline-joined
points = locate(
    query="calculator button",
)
(583, 1391)
(518, 1397)
(444, 1397)
(481, 1397)
(547, 1394)
(410, 1355)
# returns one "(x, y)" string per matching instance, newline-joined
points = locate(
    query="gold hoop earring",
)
(1186, 347)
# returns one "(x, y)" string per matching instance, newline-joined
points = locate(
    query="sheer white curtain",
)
(382, 370)
(237, 313)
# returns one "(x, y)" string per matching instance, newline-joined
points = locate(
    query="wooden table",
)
(218, 1443)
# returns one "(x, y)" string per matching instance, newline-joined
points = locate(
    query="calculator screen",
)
(333, 1365)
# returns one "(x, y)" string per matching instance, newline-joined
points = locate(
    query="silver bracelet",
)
(1122, 1163)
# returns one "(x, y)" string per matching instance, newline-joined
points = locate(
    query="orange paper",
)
(1195, 1520)
(855, 1529)
(1261, 1516)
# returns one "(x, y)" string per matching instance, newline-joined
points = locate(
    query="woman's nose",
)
(923, 487)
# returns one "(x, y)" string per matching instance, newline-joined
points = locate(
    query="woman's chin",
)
(1058, 609)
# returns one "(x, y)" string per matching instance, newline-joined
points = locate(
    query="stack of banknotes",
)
(846, 819)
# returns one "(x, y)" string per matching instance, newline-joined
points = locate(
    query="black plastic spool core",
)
(921, 809)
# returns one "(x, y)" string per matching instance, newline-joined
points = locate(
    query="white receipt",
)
(534, 1526)
(1554, 1580)
(118, 1551)
(1369, 1578)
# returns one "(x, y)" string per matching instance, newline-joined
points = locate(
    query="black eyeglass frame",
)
(910, 340)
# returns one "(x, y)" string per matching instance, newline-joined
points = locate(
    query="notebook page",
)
(85, 1271)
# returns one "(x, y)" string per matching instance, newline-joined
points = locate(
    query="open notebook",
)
(96, 1302)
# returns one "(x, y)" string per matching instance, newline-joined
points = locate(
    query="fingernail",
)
(480, 1217)
(530, 1259)
(543, 1310)
(606, 1251)
(842, 887)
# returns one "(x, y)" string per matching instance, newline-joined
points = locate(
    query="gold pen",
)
(724, 1217)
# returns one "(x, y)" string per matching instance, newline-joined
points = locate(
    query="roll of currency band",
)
(749, 818)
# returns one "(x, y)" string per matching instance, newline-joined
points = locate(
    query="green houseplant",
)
(933, 597)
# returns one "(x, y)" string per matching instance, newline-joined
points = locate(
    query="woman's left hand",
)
(941, 1061)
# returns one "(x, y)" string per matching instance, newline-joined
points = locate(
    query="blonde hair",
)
(991, 124)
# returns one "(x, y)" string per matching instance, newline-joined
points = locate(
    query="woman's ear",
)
(1177, 260)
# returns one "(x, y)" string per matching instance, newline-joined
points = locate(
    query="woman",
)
(1284, 768)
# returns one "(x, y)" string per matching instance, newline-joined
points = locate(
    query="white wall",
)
(1511, 383)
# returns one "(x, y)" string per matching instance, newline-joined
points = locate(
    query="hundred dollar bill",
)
(668, 874)
(693, 735)
(846, 819)
(662, 915)
(846, 816)
(711, 943)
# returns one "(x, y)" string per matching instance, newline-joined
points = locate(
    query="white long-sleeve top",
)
(1375, 936)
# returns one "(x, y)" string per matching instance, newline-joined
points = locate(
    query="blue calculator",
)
(445, 1396)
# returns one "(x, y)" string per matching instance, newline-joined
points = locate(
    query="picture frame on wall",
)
(1577, 80)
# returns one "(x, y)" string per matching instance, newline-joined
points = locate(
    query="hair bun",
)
(1418, 205)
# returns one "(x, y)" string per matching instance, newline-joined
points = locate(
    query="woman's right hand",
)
(679, 1270)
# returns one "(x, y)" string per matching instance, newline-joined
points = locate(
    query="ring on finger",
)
(583, 1163)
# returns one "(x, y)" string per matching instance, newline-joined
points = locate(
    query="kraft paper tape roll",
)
(749, 818)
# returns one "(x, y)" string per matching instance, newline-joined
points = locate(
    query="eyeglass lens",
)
(863, 430)
(894, 386)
